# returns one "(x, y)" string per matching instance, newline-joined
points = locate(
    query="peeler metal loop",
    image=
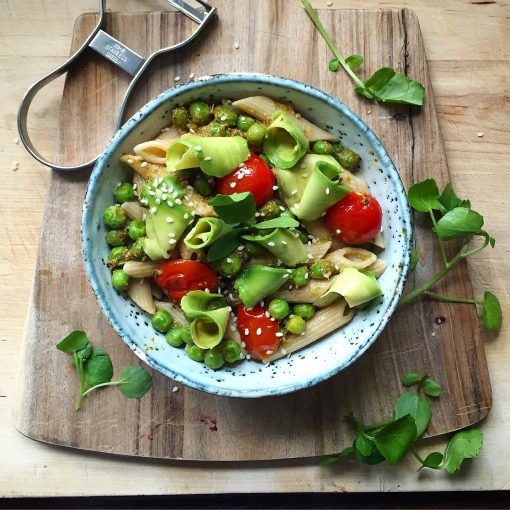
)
(119, 54)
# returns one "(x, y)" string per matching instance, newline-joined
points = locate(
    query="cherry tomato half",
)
(252, 175)
(355, 219)
(257, 331)
(178, 277)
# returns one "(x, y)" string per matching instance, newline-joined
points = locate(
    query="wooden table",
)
(468, 46)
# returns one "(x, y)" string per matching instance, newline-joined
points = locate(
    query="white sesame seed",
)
(327, 191)
(275, 188)
(175, 389)
(233, 184)
(152, 193)
(302, 165)
(304, 176)
(323, 214)
(208, 158)
(164, 196)
(338, 231)
(178, 201)
(144, 217)
(186, 216)
(310, 256)
(198, 148)
(240, 248)
(284, 243)
(169, 203)
(172, 241)
(236, 45)
(248, 356)
(285, 276)
(284, 351)
(177, 78)
(271, 243)
(259, 331)
(232, 327)
(158, 201)
(246, 331)
(229, 260)
(144, 164)
(279, 334)
(243, 344)
(153, 210)
(292, 193)
(223, 117)
(272, 319)
(329, 4)
(480, 134)
(207, 290)
(269, 352)
(130, 161)
(282, 208)
(189, 187)
(262, 303)
(191, 76)
(240, 176)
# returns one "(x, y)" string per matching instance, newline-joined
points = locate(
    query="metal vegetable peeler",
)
(119, 54)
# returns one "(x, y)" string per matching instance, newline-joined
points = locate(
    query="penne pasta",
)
(336, 244)
(138, 183)
(318, 229)
(134, 210)
(169, 133)
(309, 293)
(323, 322)
(198, 204)
(358, 258)
(174, 310)
(139, 291)
(137, 269)
(317, 250)
(379, 241)
(148, 171)
(263, 108)
(378, 267)
(353, 181)
(153, 151)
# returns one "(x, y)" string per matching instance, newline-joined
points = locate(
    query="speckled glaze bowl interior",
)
(248, 378)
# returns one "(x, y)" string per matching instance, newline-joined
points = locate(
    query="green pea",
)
(349, 159)
(244, 122)
(256, 133)
(337, 148)
(136, 229)
(120, 280)
(116, 237)
(231, 265)
(278, 308)
(186, 334)
(213, 358)
(217, 129)
(124, 192)
(200, 113)
(295, 325)
(180, 117)
(118, 256)
(137, 249)
(173, 337)
(225, 115)
(321, 269)
(299, 276)
(304, 310)
(231, 351)
(194, 352)
(269, 210)
(114, 216)
(254, 248)
(322, 147)
(162, 321)
(265, 159)
(204, 186)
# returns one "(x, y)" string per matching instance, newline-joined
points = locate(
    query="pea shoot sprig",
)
(452, 218)
(394, 438)
(385, 85)
(95, 369)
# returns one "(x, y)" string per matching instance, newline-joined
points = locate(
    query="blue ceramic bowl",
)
(320, 360)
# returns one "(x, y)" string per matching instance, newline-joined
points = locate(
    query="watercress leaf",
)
(423, 196)
(379, 79)
(363, 445)
(352, 420)
(431, 387)
(375, 456)
(432, 460)
(449, 200)
(226, 244)
(134, 382)
(74, 341)
(492, 315)
(394, 440)
(411, 379)
(99, 368)
(465, 444)
(236, 208)
(364, 91)
(333, 65)
(459, 222)
(418, 407)
(83, 355)
(349, 450)
(415, 258)
(328, 460)
(281, 222)
(354, 61)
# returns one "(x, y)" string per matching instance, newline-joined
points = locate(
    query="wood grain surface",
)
(439, 339)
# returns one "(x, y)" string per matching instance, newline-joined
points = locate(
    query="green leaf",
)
(416, 406)
(411, 379)
(492, 314)
(99, 368)
(415, 258)
(226, 244)
(328, 460)
(281, 222)
(449, 200)
(333, 65)
(492, 241)
(84, 354)
(363, 445)
(465, 444)
(394, 440)
(75, 341)
(432, 387)
(459, 222)
(236, 208)
(423, 196)
(374, 458)
(354, 61)
(433, 460)
(387, 86)
(134, 382)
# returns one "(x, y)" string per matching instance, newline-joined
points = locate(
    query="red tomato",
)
(257, 331)
(252, 175)
(178, 277)
(355, 219)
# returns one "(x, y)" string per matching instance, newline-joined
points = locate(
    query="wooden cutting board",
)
(435, 338)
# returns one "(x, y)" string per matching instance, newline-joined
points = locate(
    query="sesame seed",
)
(269, 352)
(240, 176)
(272, 319)
(338, 231)
(480, 134)
(262, 303)
(282, 208)
(191, 76)
(164, 196)
(233, 184)
(178, 201)
(327, 191)
(229, 260)
(175, 389)
(171, 234)
(271, 243)
(232, 327)
(130, 161)
(177, 78)
(284, 242)
(323, 214)
(169, 203)
(303, 333)
(275, 188)
(302, 165)
(329, 4)
(198, 148)
(259, 331)
(292, 193)
(279, 334)
(153, 210)
(304, 176)
(248, 356)
(158, 201)
(152, 193)
(144, 216)
(257, 214)
(236, 45)
(310, 256)
(208, 158)
(246, 331)
(186, 216)
(240, 248)
(144, 164)
(243, 344)
(284, 351)
(285, 276)
(223, 117)
(172, 241)
(169, 220)
(207, 290)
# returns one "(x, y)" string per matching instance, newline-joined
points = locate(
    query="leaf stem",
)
(440, 242)
(379, 425)
(111, 383)
(478, 248)
(313, 16)
(79, 367)
(417, 455)
(451, 299)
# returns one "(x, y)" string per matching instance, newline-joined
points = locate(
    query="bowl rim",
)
(264, 79)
